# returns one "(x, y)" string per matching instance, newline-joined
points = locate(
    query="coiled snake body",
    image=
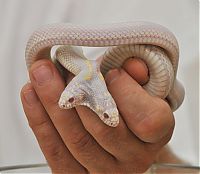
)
(153, 43)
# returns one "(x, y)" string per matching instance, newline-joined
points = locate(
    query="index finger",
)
(48, 85)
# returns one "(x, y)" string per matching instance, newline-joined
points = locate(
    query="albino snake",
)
(153, 43)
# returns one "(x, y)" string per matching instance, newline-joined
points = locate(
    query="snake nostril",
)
(63, 106)
(106, 115)
(71, 100)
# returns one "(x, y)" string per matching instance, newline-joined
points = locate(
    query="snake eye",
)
(106, 116)
(71, 100)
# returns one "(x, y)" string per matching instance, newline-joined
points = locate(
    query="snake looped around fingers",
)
(152, 43)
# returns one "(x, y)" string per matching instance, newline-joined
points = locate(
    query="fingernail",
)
(30, 97)
(42, 74)
(112, 75)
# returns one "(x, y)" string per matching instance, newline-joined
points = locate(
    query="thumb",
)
(137, 69)
(149, 118)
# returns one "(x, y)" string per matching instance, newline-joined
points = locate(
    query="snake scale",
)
(152, 43)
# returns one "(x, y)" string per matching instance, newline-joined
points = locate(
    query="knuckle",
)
(37, 124)
(145, 131)
(49, 95)
(84, 145)
(103, 132)
(157, 122)
(81, 141)
(54, 152)
(57, 159)
(49, 98)
(40, 131)
(52, 149)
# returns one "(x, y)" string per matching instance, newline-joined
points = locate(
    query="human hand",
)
(77, 141)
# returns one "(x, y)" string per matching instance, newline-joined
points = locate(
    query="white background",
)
(18, 18)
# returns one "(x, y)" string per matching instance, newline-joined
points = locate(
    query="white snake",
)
(153, 43)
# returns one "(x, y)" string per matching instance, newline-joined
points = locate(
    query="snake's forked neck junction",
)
(84, 90)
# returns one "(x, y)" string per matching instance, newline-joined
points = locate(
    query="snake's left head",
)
(69, 100)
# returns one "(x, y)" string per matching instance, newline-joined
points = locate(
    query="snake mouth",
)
(112, 123)
(62, 105)
(66, 105)
(111, 118)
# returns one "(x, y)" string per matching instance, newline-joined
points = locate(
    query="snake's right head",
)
(110, 117)
(69, 100)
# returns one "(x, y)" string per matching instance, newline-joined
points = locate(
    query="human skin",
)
(77, 141)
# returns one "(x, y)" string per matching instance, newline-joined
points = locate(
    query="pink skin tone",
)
(137, 69)
(76, 140)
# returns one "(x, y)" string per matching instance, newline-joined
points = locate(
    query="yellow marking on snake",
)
(98, 108)
(89, 74)
(101, 76)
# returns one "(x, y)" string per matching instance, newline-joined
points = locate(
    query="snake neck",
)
(84, 90)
